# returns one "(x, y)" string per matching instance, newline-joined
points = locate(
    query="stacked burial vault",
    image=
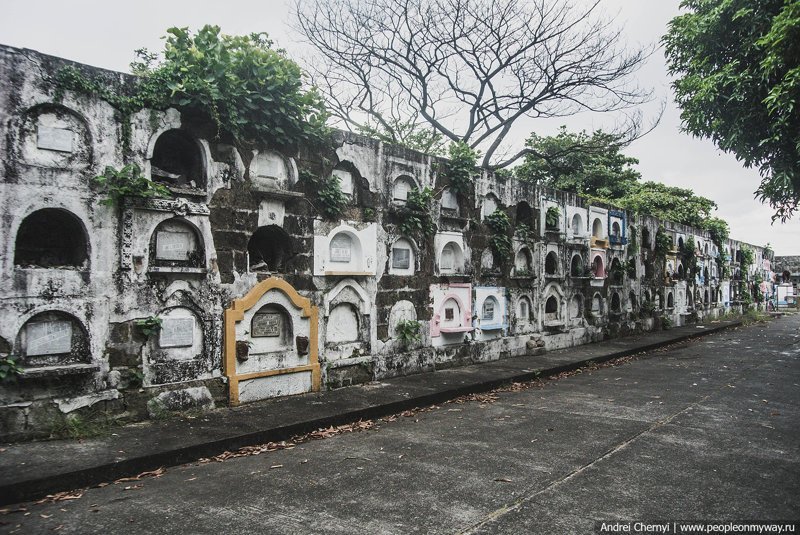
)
(257, 294)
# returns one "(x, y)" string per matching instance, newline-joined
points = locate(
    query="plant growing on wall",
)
(9, 368)
(416, 219)
(460, 167)
(245, 87)
(551, 218)
(747, 259)
(328, 192)
(149, 326)
(663, 242)
(500, 241)
(128, 182)
(408, 332)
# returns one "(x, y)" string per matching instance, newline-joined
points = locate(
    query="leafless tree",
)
(466, 69)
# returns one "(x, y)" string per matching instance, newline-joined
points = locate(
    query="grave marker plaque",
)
(57, 139)
(266, 324)
(48, 338)
(173, 245)
(401, 258)
(176, 332)
(341, 248)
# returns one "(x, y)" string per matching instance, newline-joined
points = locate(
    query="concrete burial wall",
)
(84, 285)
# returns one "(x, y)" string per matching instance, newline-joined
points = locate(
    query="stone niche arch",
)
(598, 267)
(633, 304)
(525, 215)
(269, 249)
(670, 301)
(551, 266)
(646, 238)
(347, 327)
(52, 338)
(616, 303)
(449, 203)
(489, 205)
(597, 304)
(271, 170)
(253, 375)
(52, 238)
(54, 136)
(401, 187)
(344, 252)
(597, 228)
(616, 271)
(576, 307)
(576, 225)
(553, 313)
(616, 230)
(343, 325)
(523, 262)
(177, 161)
(401, 311)
(576, 266)
(176, 242)
(525, 309)
(451, 258)
(452, 313)
(403, 257)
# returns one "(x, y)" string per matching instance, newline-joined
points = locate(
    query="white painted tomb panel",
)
(48, 338)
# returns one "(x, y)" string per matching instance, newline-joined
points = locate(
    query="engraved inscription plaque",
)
(173, 245)
(57, 139)
(176, 332)
(401, 258)
(341, 248)
(48, 338)
(266, 324)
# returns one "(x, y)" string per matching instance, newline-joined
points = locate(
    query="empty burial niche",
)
(576, 266)
(451, 259)
(551, 309)
(598, 270)
(597, 228)
(343, 324)
(616, 305)
(576, 307)
(577, 225)
(524, 214)
(53, 338)
(269, 249)
(449, 203)
(272, 327)
(632, 303)
(616, 230)
(597, 304)
(523, 262)
(524, 308)
(670, 301)
(177, 161)
(51, 238)
(645, 238)
(176, 243)
(551, 263)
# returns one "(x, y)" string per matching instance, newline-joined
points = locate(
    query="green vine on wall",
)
(500, 241)
(128, 182)
(551, 218)
(10, 368)
(408, 332)
(663, 242)
(460, 167)
(149, 326)
(328, 191)
(416, 217)
(241, 84)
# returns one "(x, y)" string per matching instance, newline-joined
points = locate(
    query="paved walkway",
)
(32, 470)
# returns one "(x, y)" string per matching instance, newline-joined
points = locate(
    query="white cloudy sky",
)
(105, 33)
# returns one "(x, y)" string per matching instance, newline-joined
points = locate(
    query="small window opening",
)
(177, 161)
(269, 249)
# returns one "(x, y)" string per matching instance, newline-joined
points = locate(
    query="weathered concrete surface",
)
(706, 430)
(31, 470)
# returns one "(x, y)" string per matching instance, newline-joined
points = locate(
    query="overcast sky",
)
(102, 34)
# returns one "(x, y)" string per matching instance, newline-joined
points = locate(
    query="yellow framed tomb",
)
(271, 343)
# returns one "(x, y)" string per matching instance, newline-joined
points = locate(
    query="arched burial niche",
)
(491, 313)
(598, 269)
(646, 238)
(597, 228)
(53, 338)
(576, 307)
(401, 187)
(616, 271)
(402, 259)
(597, 305)
(524, 215)
(344, 253)
(523, 263)
(176, 243)
(551, 309)
(451, 259)
(633, 305)
(449, 203)
(551, 263)
(56, 137)
(576, 266)
(670, 301)
(616, 230)
(269, 249)
(616, 304)
(178, 161)
(524, 309)
(343, 324)
(271, 329)
(51, 238)
(577, 225)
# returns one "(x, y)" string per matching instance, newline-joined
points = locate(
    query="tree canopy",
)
(737, 64)
(467, 70)
(586, 164)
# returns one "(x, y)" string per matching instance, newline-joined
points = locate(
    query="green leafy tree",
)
(667, 202)
(586, 164)
(737, 64)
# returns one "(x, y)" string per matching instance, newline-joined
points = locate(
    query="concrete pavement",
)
(29, 471)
